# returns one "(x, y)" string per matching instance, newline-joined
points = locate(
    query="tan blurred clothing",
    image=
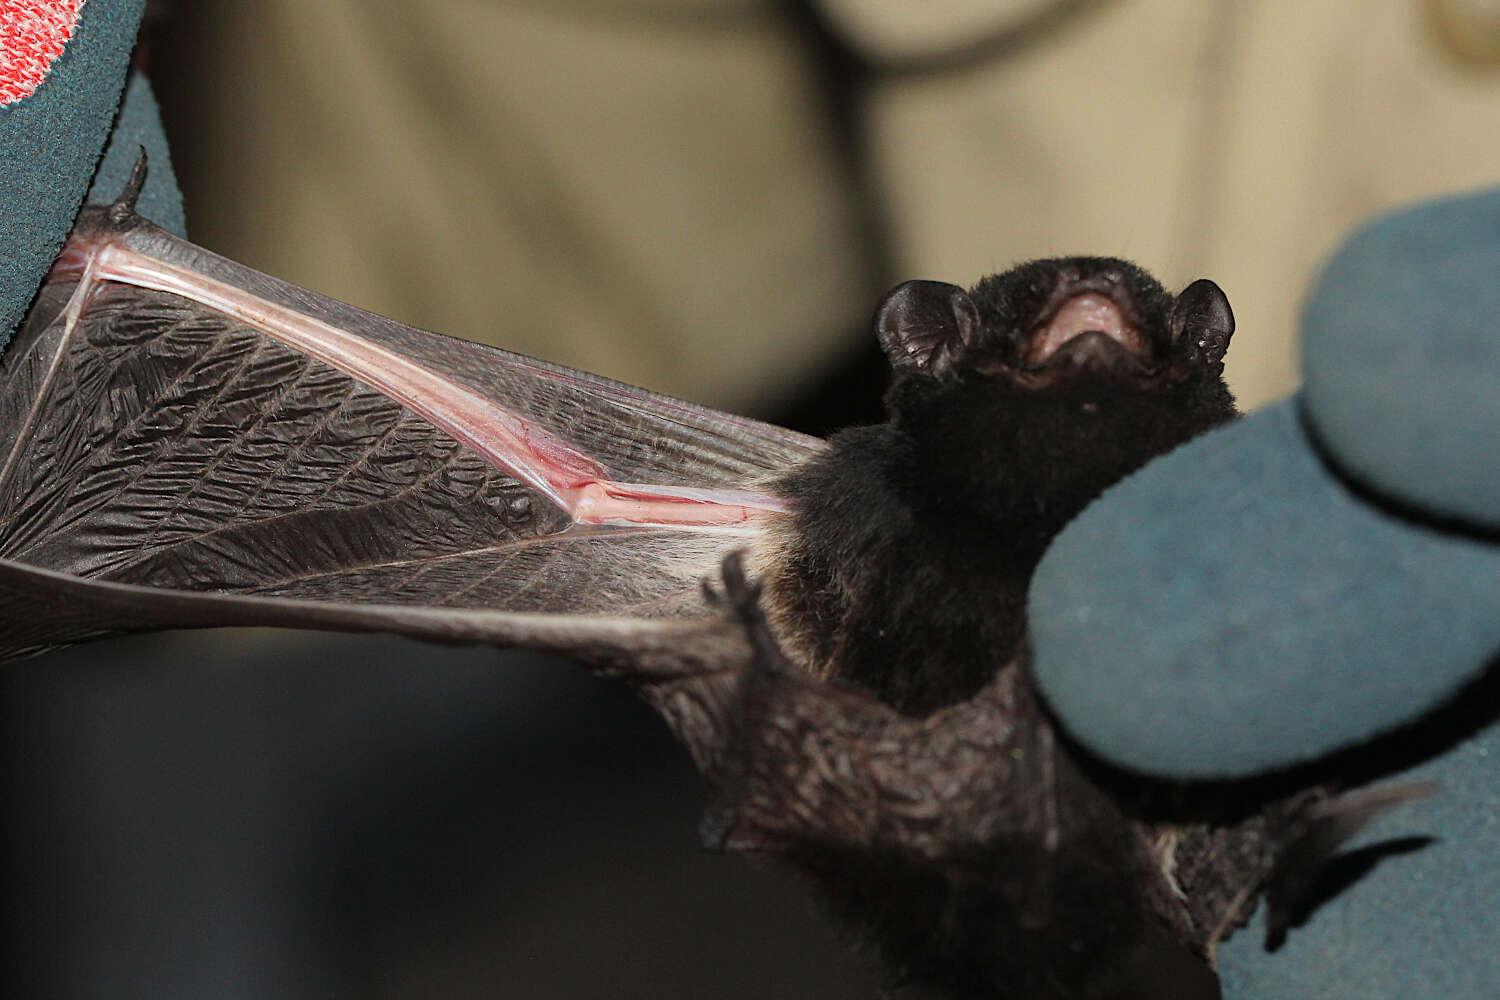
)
(650, 189)
(647, 190)
(1232, 140)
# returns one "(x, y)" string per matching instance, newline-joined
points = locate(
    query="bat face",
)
(1061, 322)
(1032, 392)
(1054, 323)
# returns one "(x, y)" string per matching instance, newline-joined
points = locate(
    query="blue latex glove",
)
(1318, 574)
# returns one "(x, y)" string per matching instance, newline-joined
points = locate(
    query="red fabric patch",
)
(32, 36)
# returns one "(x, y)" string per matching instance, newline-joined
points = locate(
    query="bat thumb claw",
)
(123, 207)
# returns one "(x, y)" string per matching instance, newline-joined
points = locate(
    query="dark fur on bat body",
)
(904, 574)
(1013, 405)
(187, 442)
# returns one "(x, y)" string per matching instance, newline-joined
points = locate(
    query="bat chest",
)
(919, 618)
(926, 635)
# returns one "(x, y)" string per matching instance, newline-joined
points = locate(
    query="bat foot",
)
(740, 600)
(740, 595)
(1308, 864)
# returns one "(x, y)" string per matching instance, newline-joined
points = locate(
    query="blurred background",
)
(707, 197)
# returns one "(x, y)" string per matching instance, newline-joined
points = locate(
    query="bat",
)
(185, 442)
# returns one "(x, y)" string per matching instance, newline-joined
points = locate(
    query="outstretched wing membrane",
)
(185, 441)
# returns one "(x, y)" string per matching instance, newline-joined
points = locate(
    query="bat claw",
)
(739, 598)
(123, 207)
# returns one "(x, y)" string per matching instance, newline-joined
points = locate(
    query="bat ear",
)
(1202, 315)
(924, 326)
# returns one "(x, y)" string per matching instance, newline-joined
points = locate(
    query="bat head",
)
(1056, 323)
(1053, 379)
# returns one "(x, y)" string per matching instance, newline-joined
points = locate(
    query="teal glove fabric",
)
(1315, 575)
(138, 126)
(1255, 607)
(1236, 608)
(1402, 359)
(50, 144)
(1423, 921)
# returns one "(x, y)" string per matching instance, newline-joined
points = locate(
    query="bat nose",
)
(1092, 349)
(1089, 324)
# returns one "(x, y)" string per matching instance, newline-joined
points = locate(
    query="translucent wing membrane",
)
(175, 425)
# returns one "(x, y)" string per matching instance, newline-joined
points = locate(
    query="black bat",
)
(186, 442)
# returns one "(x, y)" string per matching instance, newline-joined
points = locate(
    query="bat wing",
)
(187, 442)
